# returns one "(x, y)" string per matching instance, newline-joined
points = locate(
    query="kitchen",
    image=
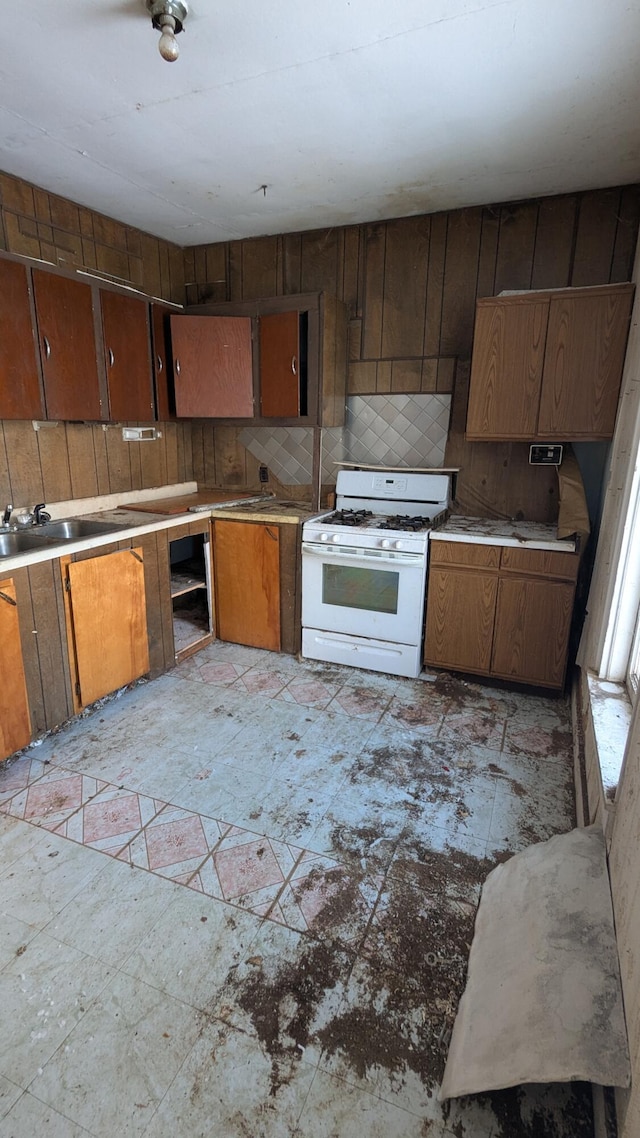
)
(409, 287)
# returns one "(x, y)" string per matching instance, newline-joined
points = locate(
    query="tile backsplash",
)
(386, 430)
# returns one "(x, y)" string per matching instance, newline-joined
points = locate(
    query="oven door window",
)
(375, 590)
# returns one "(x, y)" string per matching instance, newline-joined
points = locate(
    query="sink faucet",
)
(40, 515)
(6, 517)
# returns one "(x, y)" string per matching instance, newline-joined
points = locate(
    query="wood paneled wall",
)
(411, 285)
(81, 460)
(77, 460)
(35, 223)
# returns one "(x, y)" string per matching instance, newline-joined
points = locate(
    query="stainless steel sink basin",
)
(13, 543)
(73, 529)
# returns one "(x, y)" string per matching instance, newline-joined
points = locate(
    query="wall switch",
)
(545, 454)
(263, 473)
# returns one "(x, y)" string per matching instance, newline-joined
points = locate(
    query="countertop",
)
(485, 531)
(137, 523)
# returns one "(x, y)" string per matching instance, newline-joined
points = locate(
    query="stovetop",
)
(366, 519)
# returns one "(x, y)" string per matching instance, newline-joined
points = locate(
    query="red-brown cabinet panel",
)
(64, 309)
(213, 366)
(125, 325)
(20, 391)
(280, 365)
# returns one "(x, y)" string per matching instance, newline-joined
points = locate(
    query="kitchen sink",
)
(74, 529)
(13, 543)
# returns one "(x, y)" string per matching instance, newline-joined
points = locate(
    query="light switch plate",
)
(545, 454)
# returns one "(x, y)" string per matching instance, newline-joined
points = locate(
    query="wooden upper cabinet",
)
(586, 339)
(506, 369)
(15, 724)
(162, 362)
(280, 365)
(213, 366)
(20, 390)
(66, 332)
(125, 328)
(548, 365)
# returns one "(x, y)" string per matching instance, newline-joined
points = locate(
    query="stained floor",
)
(237, 901)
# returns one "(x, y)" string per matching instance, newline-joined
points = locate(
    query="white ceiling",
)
(348, 110)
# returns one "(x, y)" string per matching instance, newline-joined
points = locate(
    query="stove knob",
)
(336, 538)
(397, 544)
(385, 543)
(324, 537)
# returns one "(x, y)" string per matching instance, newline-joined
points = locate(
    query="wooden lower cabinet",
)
(460, 617)
(106, 622)
(246, 557)
(502, 612)
(15, 722)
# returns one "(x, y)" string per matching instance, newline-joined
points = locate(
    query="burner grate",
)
(350, 517)
(406, 522)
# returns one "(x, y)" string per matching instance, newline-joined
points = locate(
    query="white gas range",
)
(364, 570)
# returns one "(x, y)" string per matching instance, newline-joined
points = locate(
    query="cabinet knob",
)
(177, 366)
(294, 365)
(159, 363)
(111, 357)
(47, 347)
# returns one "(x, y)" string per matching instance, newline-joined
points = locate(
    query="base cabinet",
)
(247, 583)
(106, 622)
(191, 603)
(15, 723)
(500, 611)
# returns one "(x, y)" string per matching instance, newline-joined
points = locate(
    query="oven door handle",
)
(371, 558)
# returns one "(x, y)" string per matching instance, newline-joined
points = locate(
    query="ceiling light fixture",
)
(168, 17)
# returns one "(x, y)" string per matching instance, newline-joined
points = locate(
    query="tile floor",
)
(237, 901)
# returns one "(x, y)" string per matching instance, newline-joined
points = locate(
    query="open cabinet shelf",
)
(190, 560)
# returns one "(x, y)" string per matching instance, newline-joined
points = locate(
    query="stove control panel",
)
(390, 485)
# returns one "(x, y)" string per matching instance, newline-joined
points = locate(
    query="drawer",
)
(463, 553)
(539, 563)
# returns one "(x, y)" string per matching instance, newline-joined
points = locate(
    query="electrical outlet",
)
(263, 472)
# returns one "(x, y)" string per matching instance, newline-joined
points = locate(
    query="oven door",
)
(364, 592)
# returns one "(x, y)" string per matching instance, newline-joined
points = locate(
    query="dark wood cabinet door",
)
(162, 363)
(213, 366)
(247, 583)
(280, 365)
(64, 309)
(125, 326)
(533, 619)
(15, 724)
(460, 615)
(506, 369)
(586, 343)
(20, 391)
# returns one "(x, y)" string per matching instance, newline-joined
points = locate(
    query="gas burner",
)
(405, 522)
(350, 517)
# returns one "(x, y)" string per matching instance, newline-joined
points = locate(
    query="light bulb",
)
(168, 45)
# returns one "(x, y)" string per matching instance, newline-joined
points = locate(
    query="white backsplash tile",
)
(387, 430)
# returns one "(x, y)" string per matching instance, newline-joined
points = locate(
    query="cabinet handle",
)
(159, 359)
(177, 365)
(47, 347)
(111, 357)
(294, 365)
(273, 536)
(9, 600)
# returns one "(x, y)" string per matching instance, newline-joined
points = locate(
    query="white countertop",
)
(486, 531)
(136, 523)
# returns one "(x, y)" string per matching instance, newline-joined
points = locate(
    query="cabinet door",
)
(506, 369)
(15, 725)
(125, 327)
(586, 344)
(280, 365)
(64, 309)
(20, 393)
(247, 583)
(213, 366)
(109, 622)
(533, 619)
(460, 615)
(162, 363)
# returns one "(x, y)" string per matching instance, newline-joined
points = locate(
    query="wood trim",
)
(64, 563)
